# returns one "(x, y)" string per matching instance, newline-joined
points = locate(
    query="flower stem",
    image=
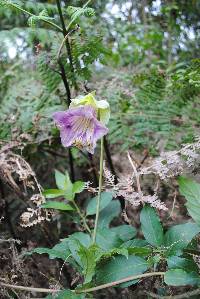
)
(82, 217)
(99, 193)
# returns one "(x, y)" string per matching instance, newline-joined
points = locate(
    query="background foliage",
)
(143, 57)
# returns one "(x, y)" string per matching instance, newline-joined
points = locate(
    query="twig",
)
(100, 287)
(114, 283)
(173, 206)
(64, 40)
(136, 174)
(81, 216)
(28, 289)
(65, 82)
(143, 159)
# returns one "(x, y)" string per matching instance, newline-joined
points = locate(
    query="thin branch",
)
(100, 287)
(114, 283)
(65, 32)
(28, 289)
(173, 206)
(135, 173)
(81, 216)
(64, 41)
(146, 155)
(65, 82)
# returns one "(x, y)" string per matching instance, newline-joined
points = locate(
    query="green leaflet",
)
(88, 260)
(83, 238)
(88, 257)
(186, 264)
(66, 189)
(108, 214)
(57, 206)
(191, 191)
(179, 277)
(53, 193)
(78, 187)
(66, 294)
(107, 239)
(179, 236)
(125, 232)
(63, 182)
(60, 250)
(151, 226)
(120, 267)
(137, 247)
(135, 243)
(106, 198)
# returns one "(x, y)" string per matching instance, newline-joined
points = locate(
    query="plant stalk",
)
(99, 192)
(114, 283)
(66, 41)
(66, 84)
(82, 217)
(100, 287)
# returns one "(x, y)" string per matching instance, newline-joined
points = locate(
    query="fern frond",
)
(47, 71)
(76, 12)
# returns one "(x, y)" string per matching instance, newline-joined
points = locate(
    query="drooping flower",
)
(102, 107)
(80, 127)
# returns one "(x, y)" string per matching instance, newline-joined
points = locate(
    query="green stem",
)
(32, 15)
(99, 193)
(81, 216)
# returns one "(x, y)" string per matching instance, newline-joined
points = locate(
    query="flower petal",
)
(99, 130)
(79, 127)
(60, 118)
(67, 136)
